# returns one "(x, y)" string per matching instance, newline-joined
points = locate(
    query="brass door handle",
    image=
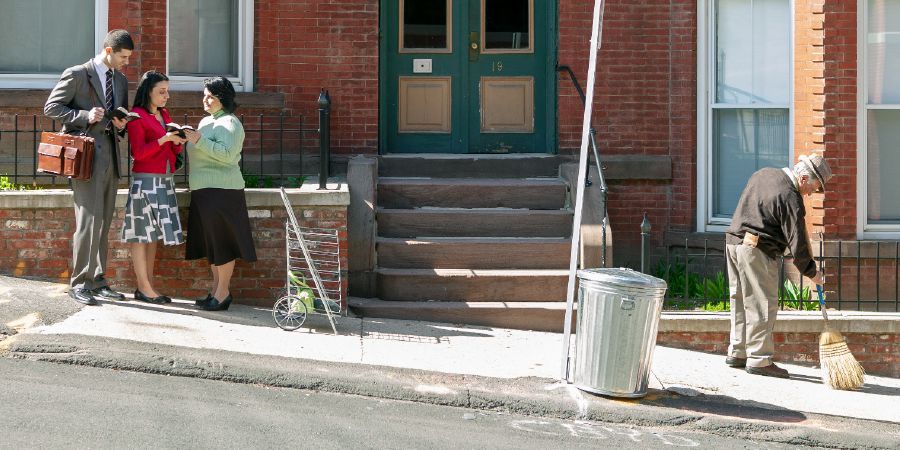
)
(474, 46)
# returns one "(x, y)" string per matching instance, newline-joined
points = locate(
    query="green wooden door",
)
(468, 76)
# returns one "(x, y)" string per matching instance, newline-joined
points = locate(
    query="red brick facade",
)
(36, 242)
(879, 354)
(646, 94)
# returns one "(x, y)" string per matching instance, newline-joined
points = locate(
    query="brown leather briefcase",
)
(66, 155)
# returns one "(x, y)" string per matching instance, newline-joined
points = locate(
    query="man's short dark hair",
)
(118, 39)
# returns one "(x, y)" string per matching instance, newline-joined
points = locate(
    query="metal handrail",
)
(603, 188)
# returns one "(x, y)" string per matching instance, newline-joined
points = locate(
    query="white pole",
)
(582, 176)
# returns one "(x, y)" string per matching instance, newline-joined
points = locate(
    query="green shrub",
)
(792, 297)
(6, 185)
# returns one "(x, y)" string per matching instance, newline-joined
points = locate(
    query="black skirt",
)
(219, 227)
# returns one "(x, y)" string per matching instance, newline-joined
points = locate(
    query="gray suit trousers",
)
(95, 202)
(753, 284)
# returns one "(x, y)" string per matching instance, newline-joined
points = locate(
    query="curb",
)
(528, 396)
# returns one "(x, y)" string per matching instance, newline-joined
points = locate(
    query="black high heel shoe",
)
(204, 300)
(138, 295)
(214, 305)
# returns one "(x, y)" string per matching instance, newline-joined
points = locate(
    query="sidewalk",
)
(443, 363)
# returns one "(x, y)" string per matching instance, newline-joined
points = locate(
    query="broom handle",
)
(822, 301)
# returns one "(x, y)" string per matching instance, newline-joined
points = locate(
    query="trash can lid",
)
(623, 277)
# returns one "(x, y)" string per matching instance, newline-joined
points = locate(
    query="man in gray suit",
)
(82, 101)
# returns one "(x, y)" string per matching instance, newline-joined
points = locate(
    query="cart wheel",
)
(289, 312)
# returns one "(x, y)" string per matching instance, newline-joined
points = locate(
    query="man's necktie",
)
(109, 90)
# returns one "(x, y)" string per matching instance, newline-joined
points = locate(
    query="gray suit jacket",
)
(78, 91)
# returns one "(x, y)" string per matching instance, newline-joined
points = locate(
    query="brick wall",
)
(825, 107)
(644, 105)
(302, 46)
(35, 241)
(879, 354)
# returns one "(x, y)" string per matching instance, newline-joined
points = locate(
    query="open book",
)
(178, 129)
(122, 113)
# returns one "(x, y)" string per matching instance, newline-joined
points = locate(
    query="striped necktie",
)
(109, 90)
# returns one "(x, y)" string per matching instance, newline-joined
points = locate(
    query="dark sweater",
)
(772, 208)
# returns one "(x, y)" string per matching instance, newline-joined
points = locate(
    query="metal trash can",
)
(618, 315)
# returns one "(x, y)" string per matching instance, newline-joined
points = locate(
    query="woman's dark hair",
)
(145, 86)
(222, 89)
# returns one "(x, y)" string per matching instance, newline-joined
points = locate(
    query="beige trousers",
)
(753, 285)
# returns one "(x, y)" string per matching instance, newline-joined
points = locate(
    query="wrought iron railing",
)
(859, 276)
(588, 183)
(279, 150)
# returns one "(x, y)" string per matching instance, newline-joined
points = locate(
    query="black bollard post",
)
(324, 137)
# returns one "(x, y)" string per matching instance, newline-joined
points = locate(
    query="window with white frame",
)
(41, 38)
(745, 120)
(880, 118)
(210, 38)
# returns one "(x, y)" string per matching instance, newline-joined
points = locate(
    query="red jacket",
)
(143, 134)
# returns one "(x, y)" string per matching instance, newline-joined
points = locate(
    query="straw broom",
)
(840, 370)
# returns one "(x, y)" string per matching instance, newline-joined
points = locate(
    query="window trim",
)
(864, 230)
(244, 80)
(705, 89)
(49, 80)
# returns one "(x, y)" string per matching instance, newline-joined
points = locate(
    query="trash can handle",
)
(627, 304)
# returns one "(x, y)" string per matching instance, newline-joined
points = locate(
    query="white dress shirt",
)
(101, 69)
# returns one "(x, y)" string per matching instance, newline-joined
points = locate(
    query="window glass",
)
(744, 141)
(506, 24)
(883, 160)
(883, 52)
(45, 36)
(203, 37)
(424, 24)
(753, 51)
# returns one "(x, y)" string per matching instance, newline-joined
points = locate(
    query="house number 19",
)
(497, 66)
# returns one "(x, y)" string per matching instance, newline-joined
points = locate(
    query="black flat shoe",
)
(203, 301)
(107, 294)
(82, 296)
(138, 295)
(214, 305)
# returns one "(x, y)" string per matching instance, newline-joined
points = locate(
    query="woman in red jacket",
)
(151, 213)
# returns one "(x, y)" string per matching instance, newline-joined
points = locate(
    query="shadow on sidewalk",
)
(256, 316)
(723, 405)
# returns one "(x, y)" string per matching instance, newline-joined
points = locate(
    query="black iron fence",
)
(279, 150)
(859, 276)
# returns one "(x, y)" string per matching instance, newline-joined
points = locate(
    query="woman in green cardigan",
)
(218, 223)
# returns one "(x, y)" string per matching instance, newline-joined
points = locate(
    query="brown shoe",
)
(769, 371)
(737, 363)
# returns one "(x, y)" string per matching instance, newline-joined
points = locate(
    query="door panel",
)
(424, 105)
(467, 76)
(507, 105)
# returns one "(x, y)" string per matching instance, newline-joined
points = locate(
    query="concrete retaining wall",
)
(873, 338)
(36, 231)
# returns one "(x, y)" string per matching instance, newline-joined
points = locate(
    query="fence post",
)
(645, 236)
(324, 137)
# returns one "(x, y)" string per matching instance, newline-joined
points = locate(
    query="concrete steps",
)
(473, 253)
(472, 285)
(476, 239)
(537, 316)
(528, 193)
(469, 166)
(487, 222)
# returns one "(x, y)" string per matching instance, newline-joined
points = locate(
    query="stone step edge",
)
(699, 322)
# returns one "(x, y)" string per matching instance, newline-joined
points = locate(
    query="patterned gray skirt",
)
(151, 212)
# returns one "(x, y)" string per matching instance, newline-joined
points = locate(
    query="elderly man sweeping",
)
(770, 217)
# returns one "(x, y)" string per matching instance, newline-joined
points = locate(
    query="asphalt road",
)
(47, 405)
